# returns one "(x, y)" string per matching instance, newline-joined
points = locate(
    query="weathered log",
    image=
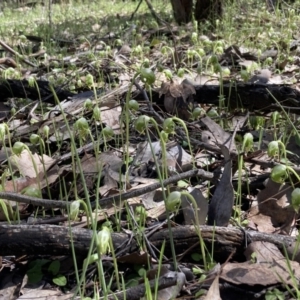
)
(262, 97)
(56, 240)
(250, 96)
(10, 88)
(235, 95)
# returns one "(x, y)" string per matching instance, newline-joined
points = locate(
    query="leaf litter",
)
(50, 168)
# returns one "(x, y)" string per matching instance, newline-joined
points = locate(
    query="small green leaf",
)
(54, 267)
(38, 262)
(155, 42)
(140, 270)
(197, 271)
(201, 293)
(132, 281)
(34, 272)
(273, 295)
(182, 184)
(196, 256)
(34, 276)
(91, 259)
(60, 280)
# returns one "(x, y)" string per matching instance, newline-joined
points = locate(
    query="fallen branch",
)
(259, 97)
(109, 201)
(10, 88)
(12, 51)
(56, 240)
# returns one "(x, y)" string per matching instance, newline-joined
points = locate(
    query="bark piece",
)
(220, 207)
(246, 95)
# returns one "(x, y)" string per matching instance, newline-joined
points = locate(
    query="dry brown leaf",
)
(125, 50)
(175, 90)
(248, 273)
(264, 252)
(30, 165)
(272, 210)
(214, 290)
(262, 77)
(165, 86)
(111, 117)
(157, 211)
(89, 164)
(19, 184)
(218, 134)
(188, 209)
(177, 158)
(45, 295)
(267, 254)
(178, 98)
(109, 183)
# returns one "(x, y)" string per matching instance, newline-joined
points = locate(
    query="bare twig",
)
(109, 200)
(137, 8)
(5, 46)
